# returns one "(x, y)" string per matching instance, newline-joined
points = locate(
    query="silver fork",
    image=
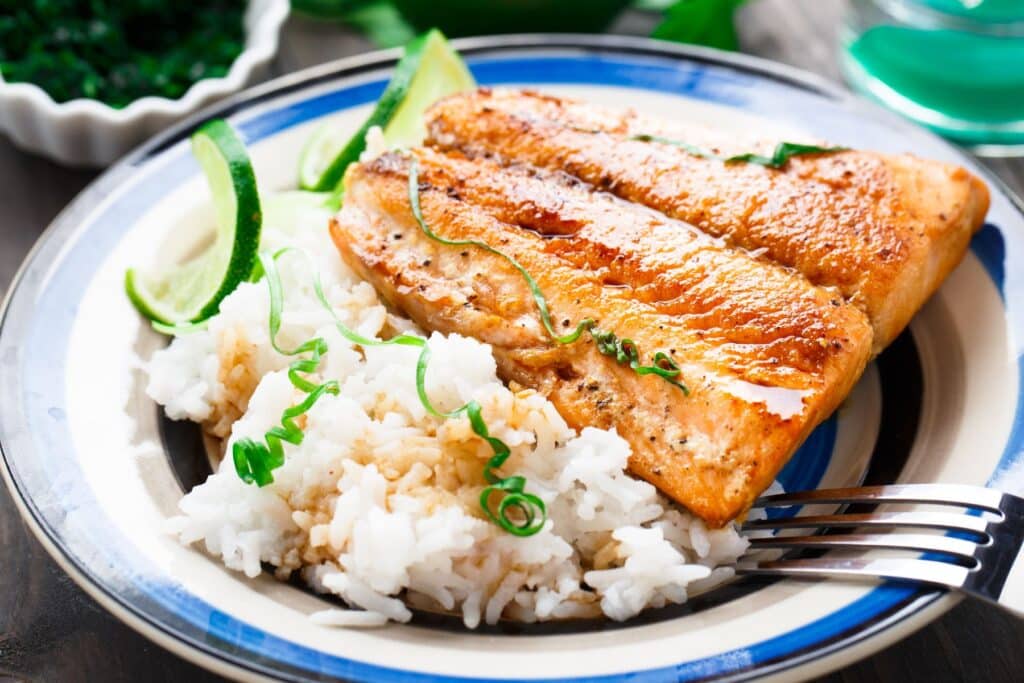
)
(984, 559)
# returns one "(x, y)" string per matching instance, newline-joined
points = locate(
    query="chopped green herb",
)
(119, 51)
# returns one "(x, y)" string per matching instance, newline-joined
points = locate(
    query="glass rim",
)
(923, 14)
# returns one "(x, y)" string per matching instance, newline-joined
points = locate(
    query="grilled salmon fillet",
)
(766, 354)
(884, 230)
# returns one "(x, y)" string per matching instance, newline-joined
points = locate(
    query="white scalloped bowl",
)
(85, 132)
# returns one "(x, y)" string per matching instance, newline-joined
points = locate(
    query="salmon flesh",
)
(769, 289)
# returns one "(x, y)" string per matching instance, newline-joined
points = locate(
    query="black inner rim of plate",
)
(901, 379)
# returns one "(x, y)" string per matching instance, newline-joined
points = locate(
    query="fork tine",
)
(938, 494)
(924, 543)
(921, 520)
(928, 571)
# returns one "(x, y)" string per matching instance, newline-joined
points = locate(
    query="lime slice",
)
(287, 211)
(428, 71)
(286, 214)
(192, 291)
(318, 154)
(441, 73)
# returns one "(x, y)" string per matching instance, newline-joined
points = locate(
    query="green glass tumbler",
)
(955, 66)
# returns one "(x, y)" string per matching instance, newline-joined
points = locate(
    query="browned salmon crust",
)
(884, 230)
(766, 354)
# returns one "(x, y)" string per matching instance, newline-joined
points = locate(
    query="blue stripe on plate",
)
(694, 80)
(989, 246)
(807, 466)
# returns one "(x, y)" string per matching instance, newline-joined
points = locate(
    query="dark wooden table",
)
(51, 631)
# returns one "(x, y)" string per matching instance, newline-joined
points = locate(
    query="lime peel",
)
(192, 291)
(429, 70)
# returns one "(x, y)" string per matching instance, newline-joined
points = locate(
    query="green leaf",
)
(700, 22)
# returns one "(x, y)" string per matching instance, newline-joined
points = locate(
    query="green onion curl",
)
(531, 510)
(626, 352)
(607, 342)
(538, 295)
(781, 155)
(255, 460)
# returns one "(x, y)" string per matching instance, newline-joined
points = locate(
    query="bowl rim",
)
(262, 41)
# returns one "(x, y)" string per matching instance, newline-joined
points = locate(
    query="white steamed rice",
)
(379, 504)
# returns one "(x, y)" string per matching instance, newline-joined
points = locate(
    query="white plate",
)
(96, 470)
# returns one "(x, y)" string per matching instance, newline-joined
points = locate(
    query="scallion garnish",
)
(781, 155)
(538, 295)
(513, 488)
(254, 460)
(625, 352)
(663, 366)
(531, 509)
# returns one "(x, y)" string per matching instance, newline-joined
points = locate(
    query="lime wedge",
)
(441, 73)
(429, 70)
(318, 154)
(192, 291)
(286, 211)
